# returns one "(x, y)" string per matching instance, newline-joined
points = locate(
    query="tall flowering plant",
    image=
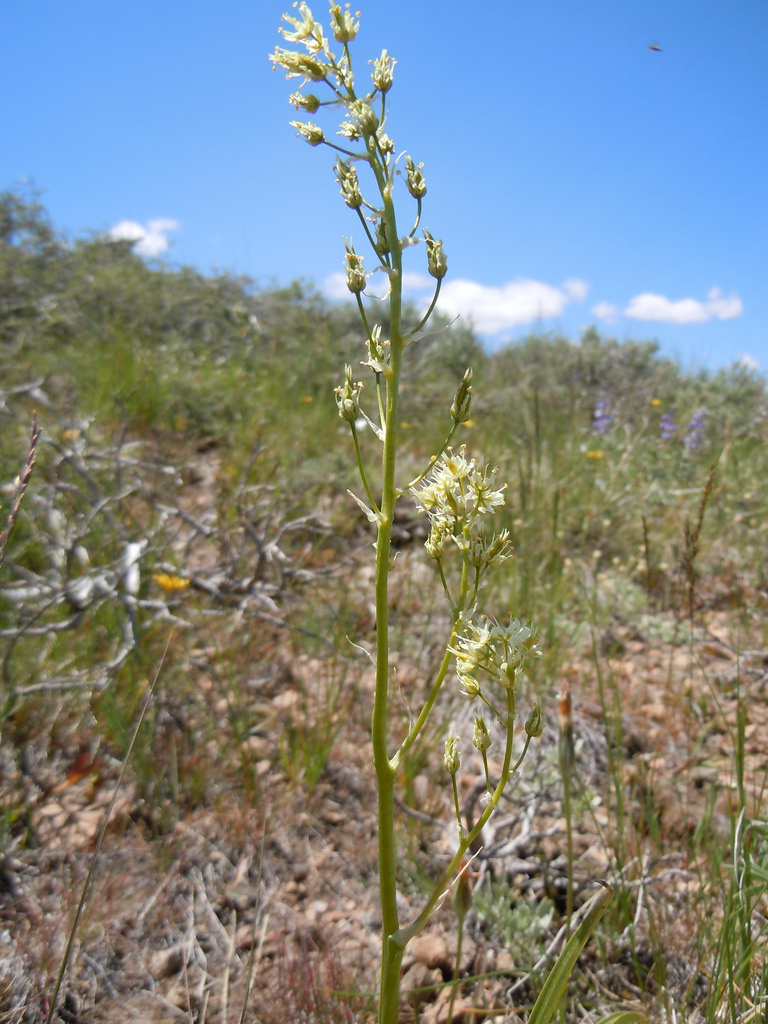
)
(459, 494)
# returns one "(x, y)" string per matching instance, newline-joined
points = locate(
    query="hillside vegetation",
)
(186, 528)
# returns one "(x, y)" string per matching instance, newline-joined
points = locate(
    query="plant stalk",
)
(391, 954)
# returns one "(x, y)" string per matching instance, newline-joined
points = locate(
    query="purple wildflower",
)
(695, 433)
(667, 426)
(601, 417)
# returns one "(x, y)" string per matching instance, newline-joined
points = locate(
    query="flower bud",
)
(439, 533)
(476, 548)
(301, 65)
(534, 726)
(348, 397)
(451, 758)
(349, 130)
(463, 399)
(468, 685)
(462, 893)
(499, 549)
(383, 72)
(378, 356)
(305, 101)
(343, 25)
(508, 673)
(311, 132)
(381, 244)
(566, 748)
(355, 273)
(484, 551)
(415, 181)
(481, 738)
(346, 175)
(437, 263)
(365, 116)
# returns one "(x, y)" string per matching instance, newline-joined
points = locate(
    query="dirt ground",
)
(276, 890)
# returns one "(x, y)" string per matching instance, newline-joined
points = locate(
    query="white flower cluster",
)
(320, 64)
(495, 652)
(457, 496)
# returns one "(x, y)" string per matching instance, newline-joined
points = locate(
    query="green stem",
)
(566, 758)
(487, 772)
(361, 469)
(444, 581)
(456, 803)
(385, 774)
(457, 965)
(416, 223)
(404, 935)
(432, 304)
(370, 238)
(569, 850)
(391, 953)
(363, 314)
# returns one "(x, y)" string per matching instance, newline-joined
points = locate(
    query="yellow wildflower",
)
(169, 581)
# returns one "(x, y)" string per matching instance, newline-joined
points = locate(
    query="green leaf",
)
(551, 995)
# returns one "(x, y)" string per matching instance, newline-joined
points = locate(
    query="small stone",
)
(431, 950)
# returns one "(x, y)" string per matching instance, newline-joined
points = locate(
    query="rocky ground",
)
(276, 891)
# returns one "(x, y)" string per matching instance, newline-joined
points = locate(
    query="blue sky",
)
(576, 177)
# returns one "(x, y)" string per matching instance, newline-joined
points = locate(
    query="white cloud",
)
(335, 286)
(748, 361)
(488, 309)
(151, 240)
(522, 301)
(649, 306)
(416, 282)
(606, 311)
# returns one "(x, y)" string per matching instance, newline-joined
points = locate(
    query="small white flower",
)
(307, 31)
(343, 25)
(311, 132)
(383, 72)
